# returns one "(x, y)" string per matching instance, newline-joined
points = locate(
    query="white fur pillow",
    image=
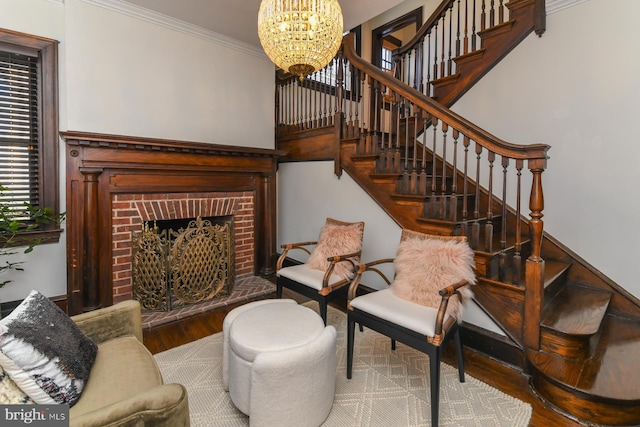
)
(337, 238)
(425, 266)
(10, 393)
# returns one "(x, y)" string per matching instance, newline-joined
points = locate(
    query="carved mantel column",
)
(266, 222)
(91, 236)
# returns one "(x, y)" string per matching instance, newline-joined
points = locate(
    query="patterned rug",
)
(387, 388)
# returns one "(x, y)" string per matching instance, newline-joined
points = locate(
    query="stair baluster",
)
(488, 228)
(442, 214)
(503, 226)
(517, 261)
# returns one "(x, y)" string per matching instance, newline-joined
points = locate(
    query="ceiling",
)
(239, 18)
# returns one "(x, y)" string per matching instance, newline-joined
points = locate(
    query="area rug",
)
(388, 388)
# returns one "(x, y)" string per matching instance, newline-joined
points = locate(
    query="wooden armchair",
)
(420, 263)
(330, 265)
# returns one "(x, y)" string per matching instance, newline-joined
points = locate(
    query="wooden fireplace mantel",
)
(99, 166)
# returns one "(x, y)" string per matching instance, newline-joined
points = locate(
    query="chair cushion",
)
(337, 238)
(44, 352)
(308, 276)
(123, 368)
(426, 265)
(385, 305)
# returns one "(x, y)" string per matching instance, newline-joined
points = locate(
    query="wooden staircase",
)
(576, 333)
(578, 327)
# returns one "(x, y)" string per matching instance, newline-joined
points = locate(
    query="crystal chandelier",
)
(300, 36)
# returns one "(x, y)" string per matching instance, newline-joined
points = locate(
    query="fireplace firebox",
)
(182, 262)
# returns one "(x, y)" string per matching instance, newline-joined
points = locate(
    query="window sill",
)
(42, 237)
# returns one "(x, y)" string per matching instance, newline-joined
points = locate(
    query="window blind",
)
(19, 149)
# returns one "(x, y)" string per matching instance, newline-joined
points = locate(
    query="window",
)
(386, 64)
(29, 126)
(389, 43)
(329, 75)
(387, 37)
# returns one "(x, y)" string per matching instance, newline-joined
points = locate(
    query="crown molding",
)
(162, 20)
(56, 1)
(554, 6)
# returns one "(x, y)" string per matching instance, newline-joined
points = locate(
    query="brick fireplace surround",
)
(115, 183)
(129, 211)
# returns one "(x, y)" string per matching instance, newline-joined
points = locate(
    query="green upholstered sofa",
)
(125, 387)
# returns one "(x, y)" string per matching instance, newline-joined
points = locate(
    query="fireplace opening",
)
(180, 262)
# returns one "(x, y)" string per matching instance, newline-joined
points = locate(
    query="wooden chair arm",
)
(446, 293)
(332, 264)
(347, 257)
(289, 246)
(363, 268)
(451, 289)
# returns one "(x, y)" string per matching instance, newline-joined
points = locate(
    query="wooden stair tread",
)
(386, 175)
(364, 157)
(576, 310)
(552, 270)
(614, 371)
(611, 373)
(419, 197)
(502, 28)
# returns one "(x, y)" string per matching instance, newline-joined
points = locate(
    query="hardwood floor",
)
(504, 378)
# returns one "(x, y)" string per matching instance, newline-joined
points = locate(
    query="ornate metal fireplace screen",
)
(172, 269)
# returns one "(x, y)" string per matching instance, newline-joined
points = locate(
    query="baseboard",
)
(490, 344)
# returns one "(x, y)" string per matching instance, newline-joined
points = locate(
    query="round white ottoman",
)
(282, 365)
(226, 326)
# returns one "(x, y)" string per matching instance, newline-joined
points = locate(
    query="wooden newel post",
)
(534, 267)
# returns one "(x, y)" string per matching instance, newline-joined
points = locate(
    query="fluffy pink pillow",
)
(337, 238)
(424, 266)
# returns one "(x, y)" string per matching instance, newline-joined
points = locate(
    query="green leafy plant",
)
(16, 233)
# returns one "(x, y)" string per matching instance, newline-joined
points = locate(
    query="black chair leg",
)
(459, 355)
(434, 370)
(323, 310)
(350, 337)
(278, 290)
(393, 345)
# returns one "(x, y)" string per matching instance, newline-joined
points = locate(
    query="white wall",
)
(576, 89)
(571, 89)
(309, 192)
(129, 72)
(133, 77)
